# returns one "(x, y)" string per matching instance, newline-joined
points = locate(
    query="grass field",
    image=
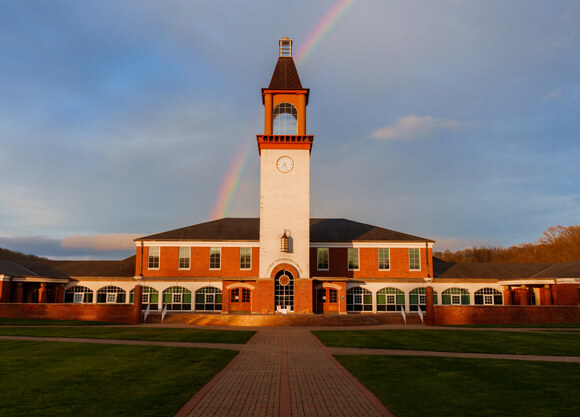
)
(422, 386)
(76, 379)
(44, 322)
(473, 341)
(134, 333)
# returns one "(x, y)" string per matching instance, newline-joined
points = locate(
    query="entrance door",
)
(240, 300)
(284, 291)
(327, 300)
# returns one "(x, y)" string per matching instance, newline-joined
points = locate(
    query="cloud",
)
(105, 242)
(554, 95)
(413, 127)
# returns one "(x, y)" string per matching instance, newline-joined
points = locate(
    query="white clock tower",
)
(285, 182)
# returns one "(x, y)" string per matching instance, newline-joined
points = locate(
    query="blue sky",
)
(453, 120)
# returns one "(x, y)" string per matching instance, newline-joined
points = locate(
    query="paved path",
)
(284, 372)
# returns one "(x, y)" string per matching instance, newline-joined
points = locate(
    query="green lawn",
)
(415, 386)
(43, 322)
(538, 326)
(134, 333)
(478, 341)
(76, 379)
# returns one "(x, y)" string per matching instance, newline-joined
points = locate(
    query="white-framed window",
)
(322, 259)
(414, 259)
(353, 264)
(176, 299)
(488, 296)
(78, 294)
(215, 256)
(149, 297)
(208, 299)
(285, 119)
(384, 259)
(390, 299)
(245, 258)
(455, 296)
(153, 262)
(111, 294)
(184, 257)
(358, 299)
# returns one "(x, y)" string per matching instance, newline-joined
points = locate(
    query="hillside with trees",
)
(14, 256)
(557, 244)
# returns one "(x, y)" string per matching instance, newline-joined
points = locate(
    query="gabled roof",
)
(569, 269)
(486, 270)
(14, 269)
(67, 269)
(285, 75)
(321, 230)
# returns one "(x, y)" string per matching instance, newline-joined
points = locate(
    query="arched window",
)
(208, 299)
(285, 116)
(78, 294)
(456, 296)
(359, 299)
(111, 294)
(390, 299)
(488, 296)
(417, 299)
(177, 298)
(149, 297)
(284, 290)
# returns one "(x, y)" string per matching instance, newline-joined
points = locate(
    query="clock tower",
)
(285, 187)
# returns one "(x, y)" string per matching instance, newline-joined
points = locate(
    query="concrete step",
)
(283, 319)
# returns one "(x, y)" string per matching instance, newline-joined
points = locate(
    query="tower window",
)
(285, 116)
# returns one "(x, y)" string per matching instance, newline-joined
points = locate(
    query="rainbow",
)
(231, 181)
(323, 28)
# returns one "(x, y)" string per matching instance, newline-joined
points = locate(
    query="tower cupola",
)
(285, 46)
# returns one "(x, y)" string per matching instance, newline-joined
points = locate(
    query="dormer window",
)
(285, 46)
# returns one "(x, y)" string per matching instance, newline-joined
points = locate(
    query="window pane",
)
(414, 259)
(384, 261)
(322, 255)
(153, 262)
(214, 258)
(352, 258)
(184, 256)
(245, 258)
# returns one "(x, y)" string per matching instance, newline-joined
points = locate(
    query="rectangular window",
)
(210, 298)
(414, 259)
(78, 297)
(390, 299)
(455, 299)
(176, 299)
(488, 299)
(384, 259)
(245, 258)
(153, 257)
(215, 255)
(111, 298)
(145, 298)
(352, 259)
(184, 257)
(322, 259)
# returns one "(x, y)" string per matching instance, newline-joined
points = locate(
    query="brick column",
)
(523, 295)
(547, 295)
(60, 294)
(429, 307)
(19, 296)
(138, 303)
(5, 285)
(507, 295)
(42, 293)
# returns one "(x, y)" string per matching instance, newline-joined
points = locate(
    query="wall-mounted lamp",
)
(284, 241)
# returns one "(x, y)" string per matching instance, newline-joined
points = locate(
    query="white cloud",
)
(111, 241)
(413, 126)
(554, 95)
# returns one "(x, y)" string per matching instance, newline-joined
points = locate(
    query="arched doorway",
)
(284, 291)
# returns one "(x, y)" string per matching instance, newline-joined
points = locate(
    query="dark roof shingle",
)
(285, 75)
(486, 270)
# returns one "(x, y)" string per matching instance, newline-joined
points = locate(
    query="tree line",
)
(557, 244)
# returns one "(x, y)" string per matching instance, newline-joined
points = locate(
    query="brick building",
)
(285, 262)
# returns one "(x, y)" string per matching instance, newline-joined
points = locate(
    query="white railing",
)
(404, 314)
(421, 314)
(147, 311)
(163, 312)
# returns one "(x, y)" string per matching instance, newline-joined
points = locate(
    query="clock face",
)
(284, 164)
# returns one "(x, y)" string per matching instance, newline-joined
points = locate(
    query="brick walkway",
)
(284, 372)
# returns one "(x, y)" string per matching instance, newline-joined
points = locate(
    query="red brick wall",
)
(199, 263)
(455, 315)
(566, 294)
(114, 313)
(263, 297)
(303, 296)
(369, 264)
